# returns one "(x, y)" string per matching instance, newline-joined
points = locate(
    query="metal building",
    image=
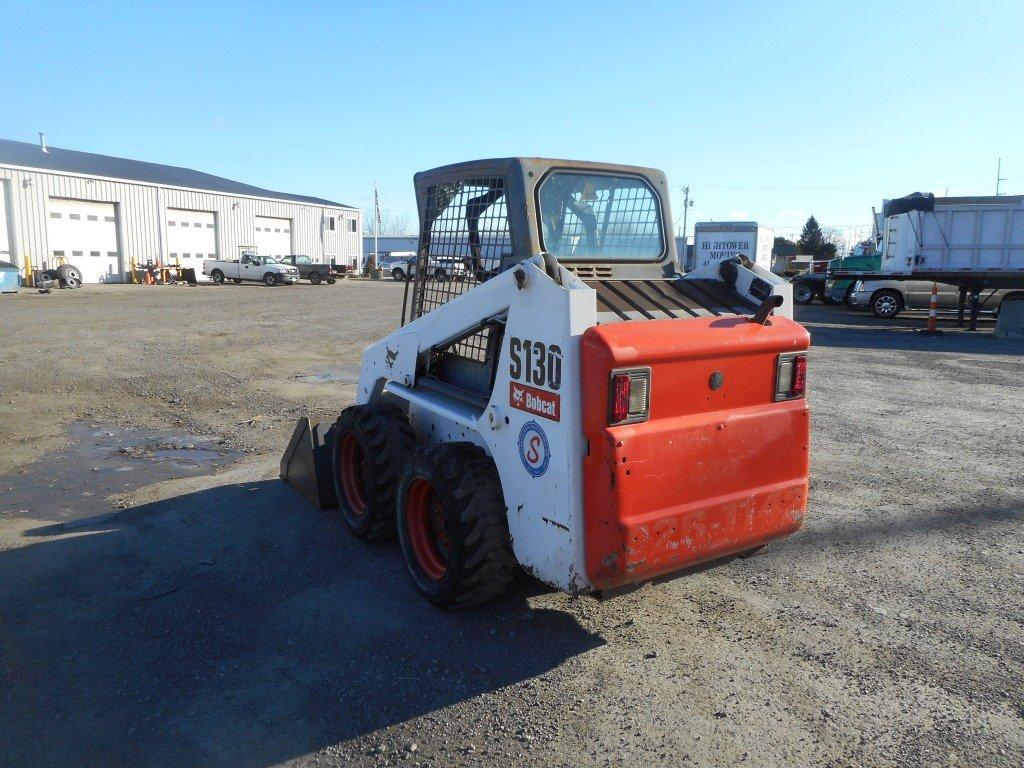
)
(102, 214)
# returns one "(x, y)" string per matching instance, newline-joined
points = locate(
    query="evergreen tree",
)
(812, 242)
(784, 247)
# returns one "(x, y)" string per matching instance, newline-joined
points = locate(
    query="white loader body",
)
(568, 403)
(543, 497)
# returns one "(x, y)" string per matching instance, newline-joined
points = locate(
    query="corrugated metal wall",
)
(142, 218)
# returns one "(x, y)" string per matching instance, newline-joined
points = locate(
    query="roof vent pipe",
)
(42, 142)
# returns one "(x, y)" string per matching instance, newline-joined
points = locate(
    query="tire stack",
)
(65, 275)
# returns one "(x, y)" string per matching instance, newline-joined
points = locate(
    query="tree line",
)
(814, 241)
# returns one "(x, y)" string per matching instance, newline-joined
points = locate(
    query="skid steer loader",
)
(570, 404)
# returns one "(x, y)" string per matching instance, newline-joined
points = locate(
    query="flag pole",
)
(376, 227)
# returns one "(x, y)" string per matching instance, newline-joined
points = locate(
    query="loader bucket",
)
(306, 464)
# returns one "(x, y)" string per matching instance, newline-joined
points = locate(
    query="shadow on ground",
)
(843, 328)
(237, 626)
(879, 528)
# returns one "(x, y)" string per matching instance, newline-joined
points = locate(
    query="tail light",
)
(791, 376)
(630, 396)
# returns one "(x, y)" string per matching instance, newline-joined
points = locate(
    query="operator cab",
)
(604, 223)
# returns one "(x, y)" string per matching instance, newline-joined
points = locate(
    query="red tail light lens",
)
(621, 387)
(799, 385)
(791, 376)
(630, 396)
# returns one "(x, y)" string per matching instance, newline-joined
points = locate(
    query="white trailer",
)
(974, 243)
(957, 240)
(718, 241)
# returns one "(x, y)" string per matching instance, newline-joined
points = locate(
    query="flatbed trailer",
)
(971, 285)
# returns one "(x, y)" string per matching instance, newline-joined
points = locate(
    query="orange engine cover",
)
(712, 472)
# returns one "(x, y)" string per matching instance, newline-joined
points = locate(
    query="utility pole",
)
(999, 175)
(687, 204)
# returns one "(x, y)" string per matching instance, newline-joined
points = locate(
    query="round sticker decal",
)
(534, 450)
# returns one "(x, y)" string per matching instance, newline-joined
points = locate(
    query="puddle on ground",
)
(343, 374)
(100, 461)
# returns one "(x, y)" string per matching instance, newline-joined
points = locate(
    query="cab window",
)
(600, 217)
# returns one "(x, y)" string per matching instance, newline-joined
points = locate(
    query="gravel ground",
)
(218, 620)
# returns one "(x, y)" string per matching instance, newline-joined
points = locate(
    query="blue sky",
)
(769, 111)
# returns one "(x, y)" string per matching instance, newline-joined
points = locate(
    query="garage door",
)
(191, 238)
(273, 236)
(85, 235)
(5, 234)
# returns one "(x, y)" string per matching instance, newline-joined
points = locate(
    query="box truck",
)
(717, 241)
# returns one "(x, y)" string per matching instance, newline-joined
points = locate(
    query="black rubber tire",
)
(236, 280)
(886, 304)
(315, 278)
(398, 274)
(440, 275)
(217, 276)
(479, 564)
(1015, 296)
(69, 275)
(270, 279)
(384, 440)
(848, 298)
(803, 293)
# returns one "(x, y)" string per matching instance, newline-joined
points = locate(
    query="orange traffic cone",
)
(933, 313)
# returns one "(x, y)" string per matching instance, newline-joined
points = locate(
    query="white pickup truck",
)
(251, 267)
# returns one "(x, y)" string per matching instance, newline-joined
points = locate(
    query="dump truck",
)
(973, 243)
(580, 411)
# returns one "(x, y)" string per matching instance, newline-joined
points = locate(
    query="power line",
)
(839, 189)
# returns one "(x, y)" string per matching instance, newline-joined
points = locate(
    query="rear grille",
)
(587, 271)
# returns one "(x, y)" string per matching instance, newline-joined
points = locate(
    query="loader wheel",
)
(371, 445)
(452, 525)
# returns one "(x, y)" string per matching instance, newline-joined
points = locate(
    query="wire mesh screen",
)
(473, 347)
(463, 236)
(600, 217)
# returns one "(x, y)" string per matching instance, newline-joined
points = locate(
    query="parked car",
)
(266, 269)
(887, 298)
(311, 270)
(403, 264)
